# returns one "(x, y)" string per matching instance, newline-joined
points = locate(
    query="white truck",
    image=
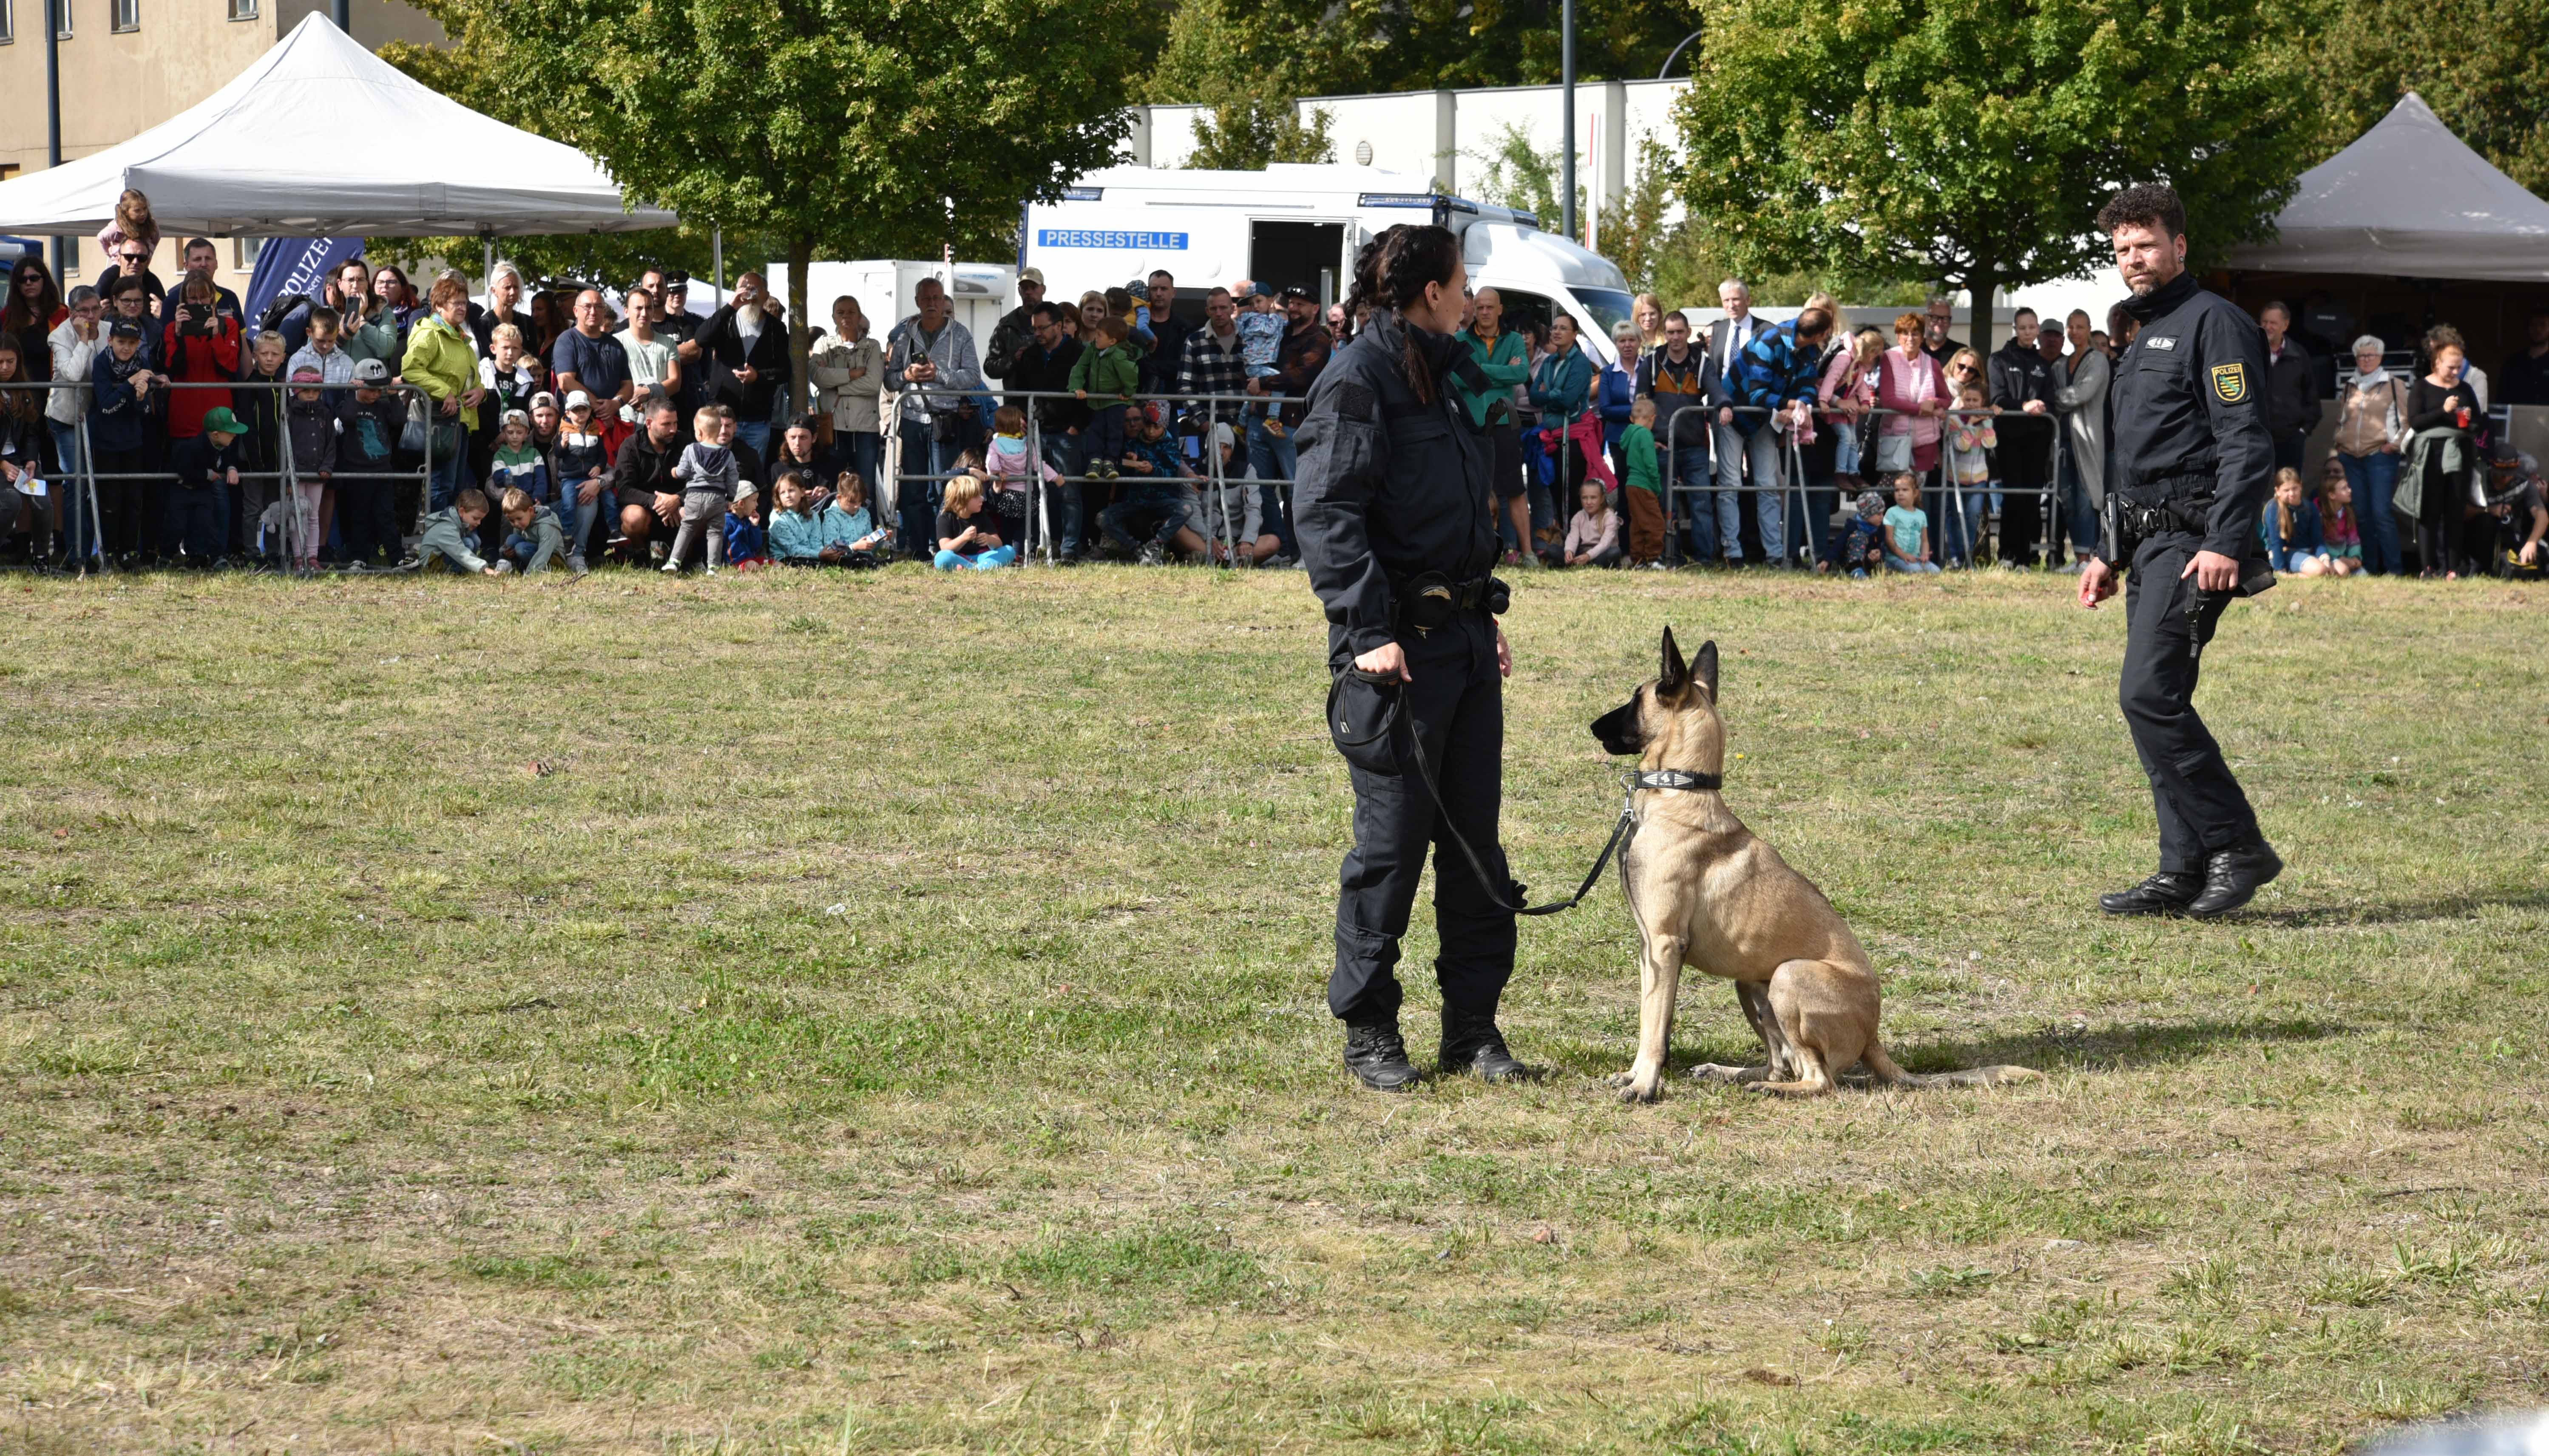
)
(1302, 223)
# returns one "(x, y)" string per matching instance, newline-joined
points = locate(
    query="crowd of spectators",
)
(542, 426)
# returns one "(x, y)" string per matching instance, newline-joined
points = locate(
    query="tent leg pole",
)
(717, 261)
(490, 274)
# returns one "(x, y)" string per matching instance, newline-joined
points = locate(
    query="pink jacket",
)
(1903, 386)
(1844, 380)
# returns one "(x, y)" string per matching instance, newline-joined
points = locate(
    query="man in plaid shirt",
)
(1212, 363)
(1774, 373)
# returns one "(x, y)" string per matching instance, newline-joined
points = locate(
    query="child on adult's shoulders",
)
(1907, 529)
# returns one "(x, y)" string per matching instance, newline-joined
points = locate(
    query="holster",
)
(1433, 599)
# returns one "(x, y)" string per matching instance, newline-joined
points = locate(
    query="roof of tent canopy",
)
(263, 156)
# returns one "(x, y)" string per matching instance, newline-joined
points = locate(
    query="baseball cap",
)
(219, 421)
(1244, 290)
(1031, 275)
(124, 328)
(577, 399)
(371, 370)
(1292, 291)
(512, 416)
(745, 490)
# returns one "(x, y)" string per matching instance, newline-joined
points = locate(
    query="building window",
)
(7, 20)
(244, 252)
(243, 9)
(123, 15)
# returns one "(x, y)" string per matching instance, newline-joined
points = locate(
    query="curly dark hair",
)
(2148, 203)
(1392, 271)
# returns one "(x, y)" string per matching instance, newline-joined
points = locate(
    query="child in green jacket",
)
(1104, 378)
(451, 540)
(1643, 493)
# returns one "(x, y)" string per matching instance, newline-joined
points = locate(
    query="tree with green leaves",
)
(1973, 140)
(1245, 132)
(831, 127)
(2483, 65)
(1335, 47)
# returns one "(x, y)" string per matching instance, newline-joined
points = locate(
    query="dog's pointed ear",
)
(1707, 667)
(1675, 672)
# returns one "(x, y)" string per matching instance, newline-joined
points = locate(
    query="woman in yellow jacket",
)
(442, 360)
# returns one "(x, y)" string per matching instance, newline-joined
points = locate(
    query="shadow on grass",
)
(2054, 1048)
(2407, 912)
(2109, 1049)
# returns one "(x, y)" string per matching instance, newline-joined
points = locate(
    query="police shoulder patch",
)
(2230, 382)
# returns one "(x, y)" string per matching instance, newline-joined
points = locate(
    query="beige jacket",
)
(2374, 416)
(848, 376)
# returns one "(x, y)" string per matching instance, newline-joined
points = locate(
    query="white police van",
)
(1297, 223)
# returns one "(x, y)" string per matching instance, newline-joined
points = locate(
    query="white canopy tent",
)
(2408, 200)
(266, 155)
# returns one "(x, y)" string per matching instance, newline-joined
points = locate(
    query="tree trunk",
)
(801, 332)
(1982, 280)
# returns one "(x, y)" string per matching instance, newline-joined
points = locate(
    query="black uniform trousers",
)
(1457, 702)
(2202, 810)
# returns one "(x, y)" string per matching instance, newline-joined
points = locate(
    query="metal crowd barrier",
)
(297, 546)
(1201, 409)
(2051, 524)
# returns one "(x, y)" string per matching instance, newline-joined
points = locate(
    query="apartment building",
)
(127, 65)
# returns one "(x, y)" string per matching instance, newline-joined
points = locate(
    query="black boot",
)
(2232, 878)
(2164, 893)
(1472, 1043)
(1376, 1055)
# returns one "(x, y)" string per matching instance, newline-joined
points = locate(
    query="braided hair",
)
(1392, 271)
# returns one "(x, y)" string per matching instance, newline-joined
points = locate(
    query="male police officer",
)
(1396, 508)
(2194, 466)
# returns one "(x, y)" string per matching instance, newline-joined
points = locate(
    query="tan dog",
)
(1708, 894)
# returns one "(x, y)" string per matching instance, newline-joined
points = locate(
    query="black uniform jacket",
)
(1386, 486)
(2189, 416)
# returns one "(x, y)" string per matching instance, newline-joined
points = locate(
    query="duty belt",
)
(1433, 599)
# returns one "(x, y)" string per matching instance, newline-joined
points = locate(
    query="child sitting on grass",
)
(1862, 542)
(533, 535)
(450, 539)
(707, 475)
(851, 535)
(964, 539)
(1907, 529)
(2290, 530)
(1593, 536)
(2340, 534)
(795, 536)
(747, 545)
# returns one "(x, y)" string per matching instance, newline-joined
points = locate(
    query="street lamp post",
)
(1566, 119)
(54, 111)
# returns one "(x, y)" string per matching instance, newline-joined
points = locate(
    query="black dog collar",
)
(1680, 779)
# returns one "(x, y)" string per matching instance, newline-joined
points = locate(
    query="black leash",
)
(1619, 830)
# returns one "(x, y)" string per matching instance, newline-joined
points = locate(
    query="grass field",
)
(820, 1014)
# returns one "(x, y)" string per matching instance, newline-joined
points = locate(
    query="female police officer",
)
(1394, 506)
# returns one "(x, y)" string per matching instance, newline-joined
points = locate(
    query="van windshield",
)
(1610, 306)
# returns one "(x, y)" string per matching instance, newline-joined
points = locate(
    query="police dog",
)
(1708, 894)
